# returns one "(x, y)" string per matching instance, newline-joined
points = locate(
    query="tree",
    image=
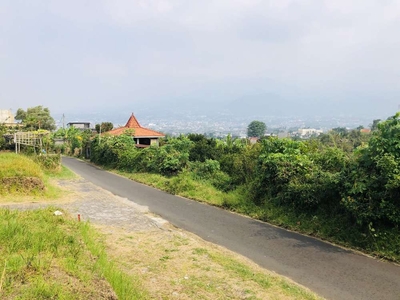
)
(21, 114)
(341, 131)
(3, 131)
(374, 125)
(35, 118)
(105, 126)
(256, 129)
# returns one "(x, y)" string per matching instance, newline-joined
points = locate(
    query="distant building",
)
(365, 130)
(79, 125)
(307, 132)
(143, 137)
(253, 140)
(7, 117)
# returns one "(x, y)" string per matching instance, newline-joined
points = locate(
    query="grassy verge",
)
(185, 186)
(22, 179)
(62, 173)
(379, 242)
(44, 256)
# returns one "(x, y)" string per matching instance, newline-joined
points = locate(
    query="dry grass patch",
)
(21, 184)
(177, 264)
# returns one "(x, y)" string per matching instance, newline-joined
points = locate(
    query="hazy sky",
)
(104, 54)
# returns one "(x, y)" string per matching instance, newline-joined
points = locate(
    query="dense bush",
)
(120, 152)
(113, 151)
(51, 162)
(372, 185)
(202, 148)
(287, 175)
(210, 171)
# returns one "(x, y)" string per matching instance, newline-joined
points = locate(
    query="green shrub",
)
(209, 170)
(372, 185)
(287, 175)
(180, 184)
(50, 162)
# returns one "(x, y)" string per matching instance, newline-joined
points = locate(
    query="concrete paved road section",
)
(330, 271)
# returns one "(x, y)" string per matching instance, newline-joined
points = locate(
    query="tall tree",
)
(256, 129)
(341, 131)
(105, 126)
(21, 114)
(37, 117)
(374, 125)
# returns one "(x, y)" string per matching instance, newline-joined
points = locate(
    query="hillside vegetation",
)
(343, 186)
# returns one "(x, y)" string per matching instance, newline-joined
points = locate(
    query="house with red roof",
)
(365, 130)
(143, 137)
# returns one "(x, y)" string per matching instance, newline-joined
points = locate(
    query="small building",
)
(253, 140)
(365, 130)
(308, 132)
(143, 137)
(79, 125)
(7, 118)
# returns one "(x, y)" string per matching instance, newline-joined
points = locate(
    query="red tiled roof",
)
(132, 122)
(139, 131)
(365, 130)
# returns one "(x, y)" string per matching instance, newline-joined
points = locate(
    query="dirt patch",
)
(21, 184)
(175, 264)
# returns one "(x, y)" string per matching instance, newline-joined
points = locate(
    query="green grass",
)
(17, 173)
(14, 165)
(185, 186)
(44, 256)
(63, 173)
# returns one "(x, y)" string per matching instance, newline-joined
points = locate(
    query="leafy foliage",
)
(288, 174)
(256, 129)
(3, 130)
(75, 141)
(35, 118)
(104, 126)
(203, 148)
(373, 181)
(120, 152)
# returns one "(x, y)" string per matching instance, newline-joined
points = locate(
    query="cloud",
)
(159, 50)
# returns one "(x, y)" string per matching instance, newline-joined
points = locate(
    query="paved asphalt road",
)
(331, 272)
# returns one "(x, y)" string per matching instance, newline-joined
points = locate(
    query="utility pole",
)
(63, 118)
